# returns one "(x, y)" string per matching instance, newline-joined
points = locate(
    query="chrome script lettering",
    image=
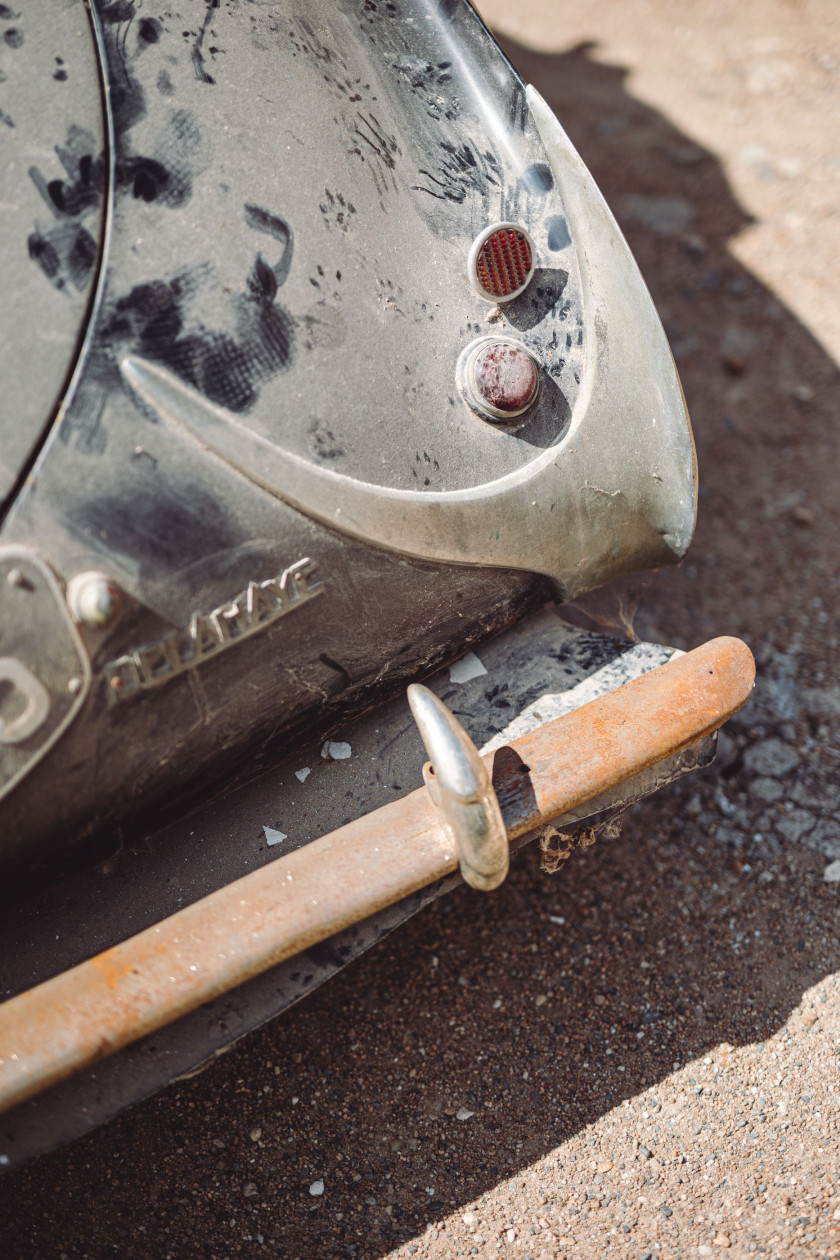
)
(260, 604)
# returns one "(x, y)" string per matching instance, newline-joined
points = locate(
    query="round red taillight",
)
(505, 377)
(499, 378)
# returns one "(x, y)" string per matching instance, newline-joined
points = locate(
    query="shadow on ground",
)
(667, 932)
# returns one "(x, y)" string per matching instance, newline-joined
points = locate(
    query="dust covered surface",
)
(649, 1042)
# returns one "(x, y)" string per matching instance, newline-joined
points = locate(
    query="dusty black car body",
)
(239, 238)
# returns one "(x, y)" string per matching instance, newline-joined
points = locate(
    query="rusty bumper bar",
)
(121, 995)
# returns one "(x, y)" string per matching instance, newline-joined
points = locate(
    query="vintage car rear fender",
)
(261, 499)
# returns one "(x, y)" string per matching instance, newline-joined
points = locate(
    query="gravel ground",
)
(639, 1056)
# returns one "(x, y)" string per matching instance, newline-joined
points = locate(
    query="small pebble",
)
(466, 669)
(795, 824)
(273, 836)
(767, 790)
(771, 758)
(831, 874)
(335, 750)
(317, 1188)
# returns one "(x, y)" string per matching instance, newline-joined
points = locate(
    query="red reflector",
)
(502, 262)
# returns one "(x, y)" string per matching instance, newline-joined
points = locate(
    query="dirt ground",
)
(640, 1056)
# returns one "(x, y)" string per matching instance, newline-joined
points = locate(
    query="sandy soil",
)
(639, 1056)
